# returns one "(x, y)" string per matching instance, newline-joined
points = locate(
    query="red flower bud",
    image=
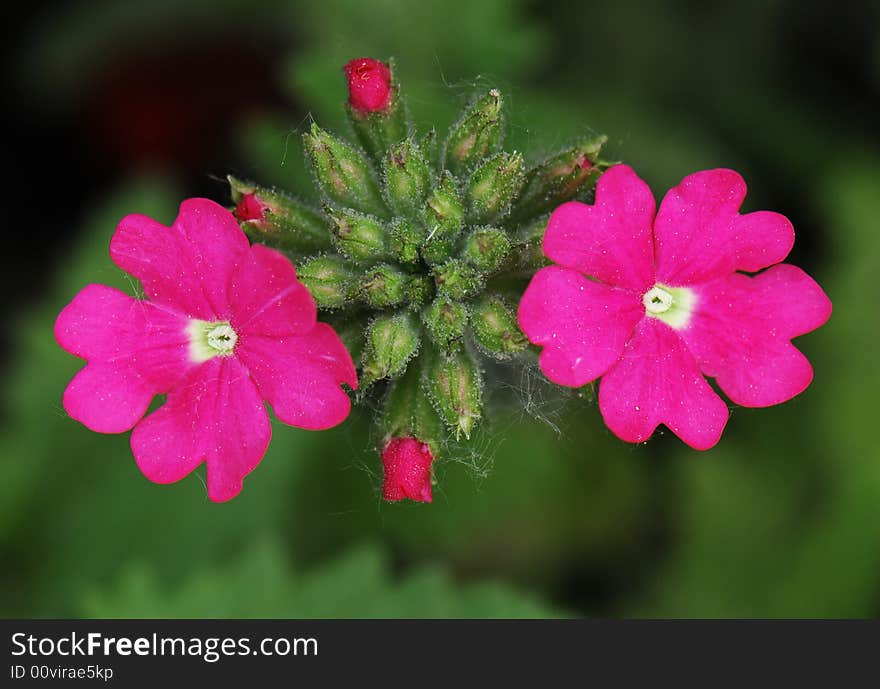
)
(250, 207)
(407, 463)
(369, 85)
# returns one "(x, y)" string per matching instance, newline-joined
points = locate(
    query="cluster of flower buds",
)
(419, 254)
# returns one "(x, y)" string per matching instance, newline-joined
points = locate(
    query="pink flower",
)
(225, 326)
(250, 208)
(369, 85)
(664, 305)
(407, 464)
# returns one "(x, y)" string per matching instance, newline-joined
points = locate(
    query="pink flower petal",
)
(187, 267)
(699, 234)
(741, 333)
(215, 415)
(657, 381)
(104, 324)
(693, 232)
(135, 350)
(266, 297)
(369, 85)
(762, 239)
(300, 376)
(406, 464)
(108, 398)
(610, 240)
(582, 325)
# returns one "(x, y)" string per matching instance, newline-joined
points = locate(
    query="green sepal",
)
(288, 223)
(559, 178)
(362, 238)
(477, 134)
(430, 147)
(455, 386)
(486, 248)
(386, 285)
(445, 322)
(527, 254)
(343, 173)
(458, 280)
(329, 279)
(443, 218)
(495, 328)
(492, 187)
(392, 340)
(404, 240)
(351, 328)
(408, 179)
(408, 411)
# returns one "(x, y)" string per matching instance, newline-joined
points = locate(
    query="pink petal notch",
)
(657, 381)
(693, 232)
(300, 376)
(215, 416)
(188, 266)
(761, 239)
(742, 331)
(610, 240)
(135, 351)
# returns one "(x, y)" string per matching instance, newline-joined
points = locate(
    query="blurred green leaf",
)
(259, 583)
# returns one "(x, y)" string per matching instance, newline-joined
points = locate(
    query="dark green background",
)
(132, 106)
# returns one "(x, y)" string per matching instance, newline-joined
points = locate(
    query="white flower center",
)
(657, 300)
(672, 305)
(207, 340)
(222, 338)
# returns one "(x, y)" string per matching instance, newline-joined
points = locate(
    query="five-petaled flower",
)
(652, 304)
(225, 326)
(407, 466)
(369, 85)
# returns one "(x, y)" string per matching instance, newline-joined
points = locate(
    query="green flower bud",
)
(456, 388)
(492, 187)
(437, 249)
(361, 237)
(386, 285)
(486, 248)
(429, 145)
(477, 134)
(328, 278)
(444, 219)
(528, 252)
(275, 219)
(391, 342)
(350, 329)
(559, 178)
(343, 173)
(420, 289)
(495, 328)
(445, 321)
(404, 240)
(407, 178)
(457, 280)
